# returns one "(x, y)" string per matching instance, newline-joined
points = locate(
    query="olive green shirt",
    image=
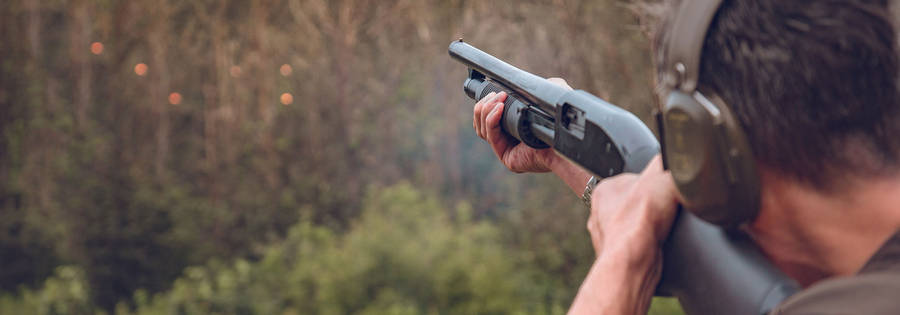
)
(874, 290)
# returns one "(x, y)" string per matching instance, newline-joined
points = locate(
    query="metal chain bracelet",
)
(588, 189)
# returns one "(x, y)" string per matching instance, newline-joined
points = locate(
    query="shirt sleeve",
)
(870, 293)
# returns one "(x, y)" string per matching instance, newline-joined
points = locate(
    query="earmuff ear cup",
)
(710, 160)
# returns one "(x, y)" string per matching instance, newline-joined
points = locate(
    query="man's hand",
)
(518, 158)
(633, 211)
(631, 215)
(521, 158)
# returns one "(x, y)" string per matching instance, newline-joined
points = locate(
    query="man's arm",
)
(630, 217)
(617, 284)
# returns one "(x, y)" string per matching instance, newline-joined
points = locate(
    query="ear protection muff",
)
(704, 146)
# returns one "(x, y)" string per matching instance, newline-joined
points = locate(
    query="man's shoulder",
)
(868, 293)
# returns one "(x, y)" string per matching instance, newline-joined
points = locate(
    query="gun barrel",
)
(532, 88)
(599, 136)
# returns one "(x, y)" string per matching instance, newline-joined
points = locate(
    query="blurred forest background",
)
(287, 156)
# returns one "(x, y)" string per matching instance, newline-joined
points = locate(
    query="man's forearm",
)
(573, 175)
(617, 284)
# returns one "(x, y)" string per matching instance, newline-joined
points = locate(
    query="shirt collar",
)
(886, 258)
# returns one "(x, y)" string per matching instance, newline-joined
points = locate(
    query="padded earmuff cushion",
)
(709, 158)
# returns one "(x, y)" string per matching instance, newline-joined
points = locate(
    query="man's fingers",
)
(494, 134)
(492, 120)
(650, 197)
(613, 186)
(485, 110)
(488, 109)
(477, 112)
(659, 181)
(653, 179)
(475, 115)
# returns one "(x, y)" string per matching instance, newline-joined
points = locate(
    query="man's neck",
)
(811, 234)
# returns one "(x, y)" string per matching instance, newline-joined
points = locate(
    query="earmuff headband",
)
(685, 45)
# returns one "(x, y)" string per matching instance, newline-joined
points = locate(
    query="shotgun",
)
(711, 270)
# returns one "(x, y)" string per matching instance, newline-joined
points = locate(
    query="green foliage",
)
(117, 191)
(66, 293)
(665, 306)
(404, 256)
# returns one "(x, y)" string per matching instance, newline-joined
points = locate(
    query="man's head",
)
(813, 84)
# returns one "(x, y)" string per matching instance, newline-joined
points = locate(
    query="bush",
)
(407, 254)
(404, 256)
(65, 293)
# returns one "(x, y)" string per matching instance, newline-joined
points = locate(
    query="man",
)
(814, 86)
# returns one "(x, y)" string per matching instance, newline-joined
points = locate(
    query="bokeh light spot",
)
(287, 99)
(96, 48)
(140, 69)
(286, 70)
(234, 71)
(174, 98)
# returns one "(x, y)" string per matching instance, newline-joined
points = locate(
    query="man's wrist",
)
(573, 175)
(633, 245)
(636, 254)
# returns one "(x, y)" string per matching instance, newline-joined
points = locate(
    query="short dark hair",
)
(812, 82)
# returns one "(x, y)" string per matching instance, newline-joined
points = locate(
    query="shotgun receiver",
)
(709, 269)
